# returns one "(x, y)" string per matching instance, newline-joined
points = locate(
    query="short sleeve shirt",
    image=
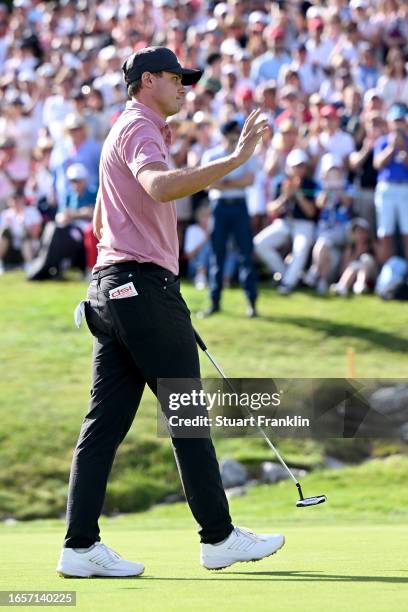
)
(134, 226)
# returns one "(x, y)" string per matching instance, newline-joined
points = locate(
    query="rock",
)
(236, 492)
(390, 400)
(172, 498)
(273, 472)
(233, 473)
(334, 464)
(404, 433)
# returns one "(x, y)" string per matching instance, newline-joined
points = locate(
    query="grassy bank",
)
(45, 373)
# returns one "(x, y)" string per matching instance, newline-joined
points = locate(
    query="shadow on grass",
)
(389, 341)
(292, 576)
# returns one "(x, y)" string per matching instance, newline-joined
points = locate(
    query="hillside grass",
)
(45, 379)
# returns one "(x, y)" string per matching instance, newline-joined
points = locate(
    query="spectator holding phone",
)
(334, 203)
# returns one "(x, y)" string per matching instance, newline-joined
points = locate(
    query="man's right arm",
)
(165, 185)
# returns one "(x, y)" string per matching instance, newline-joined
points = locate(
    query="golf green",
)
(341, 567)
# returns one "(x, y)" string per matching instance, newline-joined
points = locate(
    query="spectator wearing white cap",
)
(63, 240)
(81, 198)
(75, 148)
(294, 225)
(373, 101)
(334, 203)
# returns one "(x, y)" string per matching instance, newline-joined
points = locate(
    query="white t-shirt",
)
(339, 144)
(319, 54)
(393, 90)
(55, 110)
(195, 236)
(18, 223)
(18, 169)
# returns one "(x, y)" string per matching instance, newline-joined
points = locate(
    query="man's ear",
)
(147, 80)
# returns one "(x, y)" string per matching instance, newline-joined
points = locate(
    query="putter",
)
(303, 502)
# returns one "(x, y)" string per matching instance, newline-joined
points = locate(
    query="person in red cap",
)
(267, 66)
(141, 324)
(331, 139)
(319, 49)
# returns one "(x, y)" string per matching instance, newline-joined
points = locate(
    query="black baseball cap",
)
(156, 59)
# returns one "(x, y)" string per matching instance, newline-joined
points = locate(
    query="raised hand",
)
(251, 133)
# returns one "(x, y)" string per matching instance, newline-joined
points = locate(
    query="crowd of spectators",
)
(327, 188)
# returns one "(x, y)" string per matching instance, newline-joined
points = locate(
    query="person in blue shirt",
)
(231, 220)
(391, 194)
(334, 202)
(267, 66)
(63, 239)
(366, 72)
(77, 148)
(80, 200)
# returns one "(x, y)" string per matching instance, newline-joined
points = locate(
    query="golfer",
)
(140, 322)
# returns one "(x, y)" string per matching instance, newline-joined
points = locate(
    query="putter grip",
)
(200, 341)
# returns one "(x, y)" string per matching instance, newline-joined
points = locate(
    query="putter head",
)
(311, 501)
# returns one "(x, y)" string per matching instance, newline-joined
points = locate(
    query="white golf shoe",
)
(98, 560)
(241, 545)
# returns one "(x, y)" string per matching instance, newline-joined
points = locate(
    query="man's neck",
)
(141, 99)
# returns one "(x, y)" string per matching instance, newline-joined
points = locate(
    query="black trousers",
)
(136, 341)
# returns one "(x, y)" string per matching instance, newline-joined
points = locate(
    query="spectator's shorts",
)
(391, 203)
(333, 236)
(335, 239)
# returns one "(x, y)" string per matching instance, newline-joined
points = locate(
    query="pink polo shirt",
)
(134, 226)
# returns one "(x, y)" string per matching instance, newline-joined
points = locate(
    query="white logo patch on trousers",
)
(124, 291)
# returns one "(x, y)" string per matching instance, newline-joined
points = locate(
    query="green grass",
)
(353, 569)
(350, 554)
(45, 379)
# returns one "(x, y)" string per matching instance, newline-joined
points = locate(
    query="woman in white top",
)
(394, 83)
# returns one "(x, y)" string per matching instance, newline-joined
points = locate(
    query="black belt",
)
(130, 266)
(230, 200)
